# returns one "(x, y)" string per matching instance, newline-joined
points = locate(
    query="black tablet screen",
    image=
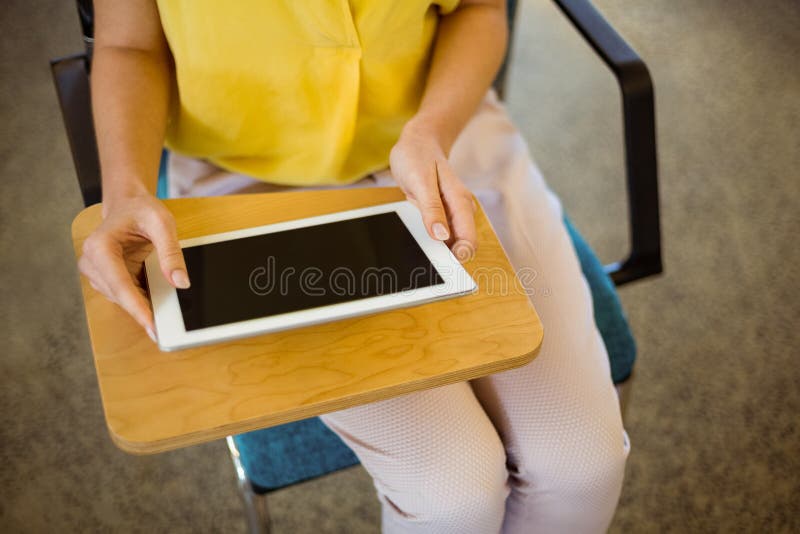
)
(302, 268)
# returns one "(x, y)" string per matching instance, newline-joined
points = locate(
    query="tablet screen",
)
(302, 268)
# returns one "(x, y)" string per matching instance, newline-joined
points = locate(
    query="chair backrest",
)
(86, 15)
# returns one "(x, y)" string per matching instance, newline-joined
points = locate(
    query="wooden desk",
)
(156, 401)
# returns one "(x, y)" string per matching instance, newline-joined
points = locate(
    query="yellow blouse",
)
(297, 92)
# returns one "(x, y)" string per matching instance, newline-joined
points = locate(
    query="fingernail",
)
(440, 232)
(151, 334)
(180, 278)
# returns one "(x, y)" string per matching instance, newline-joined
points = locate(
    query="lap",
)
(539, 409)
(564, 400)
(533, 407)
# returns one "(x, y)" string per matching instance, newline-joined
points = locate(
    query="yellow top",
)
(297, 92)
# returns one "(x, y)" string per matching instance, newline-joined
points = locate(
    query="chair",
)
(274, 458)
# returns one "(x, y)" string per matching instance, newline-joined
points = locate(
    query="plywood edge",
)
(87, 218)
(140, 447)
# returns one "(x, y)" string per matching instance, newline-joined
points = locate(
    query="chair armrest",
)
(71, 78)
(638, 108)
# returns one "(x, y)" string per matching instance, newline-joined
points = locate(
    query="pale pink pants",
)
(538, 449)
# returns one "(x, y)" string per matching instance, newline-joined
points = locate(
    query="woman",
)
(263, 95)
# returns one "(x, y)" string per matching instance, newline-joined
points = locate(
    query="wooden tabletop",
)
(156, 401)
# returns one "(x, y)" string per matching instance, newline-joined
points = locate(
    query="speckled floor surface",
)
(714, 414)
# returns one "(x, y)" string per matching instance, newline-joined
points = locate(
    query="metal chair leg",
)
(255, 505)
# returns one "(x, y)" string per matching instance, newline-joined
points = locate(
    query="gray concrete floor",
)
(714, 415)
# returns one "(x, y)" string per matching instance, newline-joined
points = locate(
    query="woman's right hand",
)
(113, 255)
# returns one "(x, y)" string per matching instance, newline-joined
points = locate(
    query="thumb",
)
(429, 201)
(162, 233)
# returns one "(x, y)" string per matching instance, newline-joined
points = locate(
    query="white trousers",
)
(537, 449)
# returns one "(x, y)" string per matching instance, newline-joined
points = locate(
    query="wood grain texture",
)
(156, 401)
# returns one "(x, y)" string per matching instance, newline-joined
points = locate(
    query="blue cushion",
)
(162, 190)
(608, 314)
(284, 455)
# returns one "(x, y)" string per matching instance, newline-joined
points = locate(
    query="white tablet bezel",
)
(172, 334)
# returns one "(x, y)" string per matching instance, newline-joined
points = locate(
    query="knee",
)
(588, 465)
(466, 492)
(601, 468)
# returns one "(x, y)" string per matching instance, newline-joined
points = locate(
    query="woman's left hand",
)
(420, 167)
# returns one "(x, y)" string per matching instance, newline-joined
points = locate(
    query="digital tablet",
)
(303, 272)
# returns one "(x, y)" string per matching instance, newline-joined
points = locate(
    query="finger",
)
(161, 231)
(95, 280)
(424, 191)
(460, 210)
(107, 260)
